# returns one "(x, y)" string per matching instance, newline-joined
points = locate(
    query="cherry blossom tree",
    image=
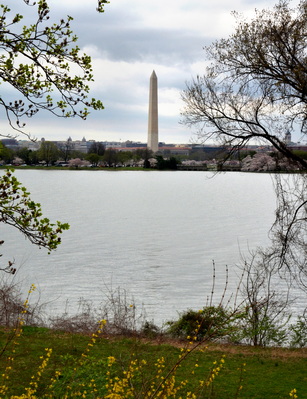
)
(260, 162)
(77, 163)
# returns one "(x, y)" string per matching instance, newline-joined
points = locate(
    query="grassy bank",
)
(96, 367)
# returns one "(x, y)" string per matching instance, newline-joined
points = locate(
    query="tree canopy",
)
(256, 85)
(37, 60)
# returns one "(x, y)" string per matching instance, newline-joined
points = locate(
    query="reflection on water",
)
(154, 234)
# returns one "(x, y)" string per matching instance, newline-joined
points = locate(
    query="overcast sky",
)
(130, 40)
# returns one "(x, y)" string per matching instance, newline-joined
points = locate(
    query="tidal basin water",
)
(154, 234)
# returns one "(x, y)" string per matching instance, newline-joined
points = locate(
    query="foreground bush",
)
(210, 322)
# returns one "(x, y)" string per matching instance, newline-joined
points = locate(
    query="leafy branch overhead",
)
(101, 3)
(37, 61)
(18, 210)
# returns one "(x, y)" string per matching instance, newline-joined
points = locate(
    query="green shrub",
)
(298, 333)
(150, 330)
(210, 322)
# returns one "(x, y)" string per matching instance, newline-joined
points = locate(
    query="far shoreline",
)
(138, 169)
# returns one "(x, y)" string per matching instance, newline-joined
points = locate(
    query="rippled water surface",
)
(154, 234)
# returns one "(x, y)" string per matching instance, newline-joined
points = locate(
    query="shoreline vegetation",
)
(138, 168)
(99, 158)
(122, 356)
(28, 167)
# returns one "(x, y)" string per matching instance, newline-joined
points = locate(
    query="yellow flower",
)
(111, 360)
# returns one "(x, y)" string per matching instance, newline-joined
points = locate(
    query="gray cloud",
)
(126, 43)
(133, 43)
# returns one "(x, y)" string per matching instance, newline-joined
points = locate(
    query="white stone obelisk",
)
(152, 142)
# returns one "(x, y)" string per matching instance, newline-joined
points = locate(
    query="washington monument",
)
(152, 142)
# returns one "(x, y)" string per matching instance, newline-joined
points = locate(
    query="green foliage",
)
(300, 153)
(93, 158)
(298, 333)
(124, 156)
(101, 3)
(25, 154)
(264, 311)
(95, 153)
(163, 164)
(36, 60)
(143, 153)
(18, 210)
(150, 330)
(259, 328)
(48, 152)
(210, 322)
(110, 157)
(6, 154)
